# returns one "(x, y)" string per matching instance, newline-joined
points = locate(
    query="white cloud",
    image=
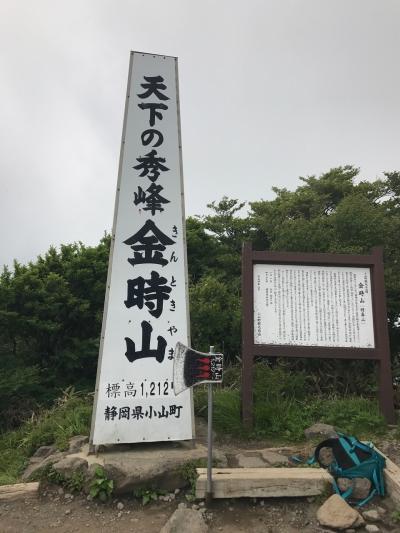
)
(270, 90)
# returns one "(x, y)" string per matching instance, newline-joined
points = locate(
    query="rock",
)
(157, 465)
(362, 486)
(120, 506)
(36, 464)
(337, 514)
(273, 458)
(320, 430)
(371, 514)
(44, 451)
(69, 464)
(326, 456)
(250, 460)
(76, 443)
(381, 510)
(185, 521)
(68, 511)
(372, 528)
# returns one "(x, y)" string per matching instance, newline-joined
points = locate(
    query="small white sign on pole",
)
(146, 308)
(313, 306)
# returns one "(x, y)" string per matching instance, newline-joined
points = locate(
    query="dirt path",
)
(52, 512)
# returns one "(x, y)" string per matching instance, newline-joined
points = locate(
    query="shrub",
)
(283, 408)
(101, 487)
(70, 416)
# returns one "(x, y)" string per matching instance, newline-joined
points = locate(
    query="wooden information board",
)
(314, 305)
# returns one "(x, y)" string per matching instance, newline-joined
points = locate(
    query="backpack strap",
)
(367, 499)
(349, 448)
(344, 494)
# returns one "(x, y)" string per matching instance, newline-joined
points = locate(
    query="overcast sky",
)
(270, 90)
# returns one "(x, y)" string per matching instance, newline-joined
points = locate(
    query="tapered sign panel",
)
(146, 310)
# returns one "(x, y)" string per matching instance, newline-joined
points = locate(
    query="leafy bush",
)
(283, 409)
(148, 495)
(70, 416)
(101, 487)
(50, 321)
(48, 473)
(211, 323)
(18, 386)
(189, 473)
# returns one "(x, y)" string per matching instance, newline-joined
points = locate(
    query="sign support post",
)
(192, 368)
(209, 438)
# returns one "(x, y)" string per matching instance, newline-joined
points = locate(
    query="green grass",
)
(70, 416)
(283, 409)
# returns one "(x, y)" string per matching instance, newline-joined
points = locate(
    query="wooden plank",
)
(263, 482)
(19, 491)
(298, 472)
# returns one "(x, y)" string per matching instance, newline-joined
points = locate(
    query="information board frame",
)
(380, 353)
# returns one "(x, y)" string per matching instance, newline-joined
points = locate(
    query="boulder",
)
(250, 460)
(337, 514)
(372, 528)
(320, 431)
(36, 464)
(69, 464)
(361, 486)
(185, 521)
(273, 458)
(44, 451)
(76, 443)
(153, 465)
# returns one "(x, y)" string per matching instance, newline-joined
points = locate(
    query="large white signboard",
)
(313, 306)
(146, 309)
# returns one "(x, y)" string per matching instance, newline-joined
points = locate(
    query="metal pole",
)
(209, 439)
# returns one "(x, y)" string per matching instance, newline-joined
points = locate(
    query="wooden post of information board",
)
(382, 338)
(247, 335)
(380, 352)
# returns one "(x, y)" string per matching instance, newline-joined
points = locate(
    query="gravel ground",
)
(54, 512)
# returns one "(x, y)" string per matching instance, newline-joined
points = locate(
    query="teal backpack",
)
(353, 459)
